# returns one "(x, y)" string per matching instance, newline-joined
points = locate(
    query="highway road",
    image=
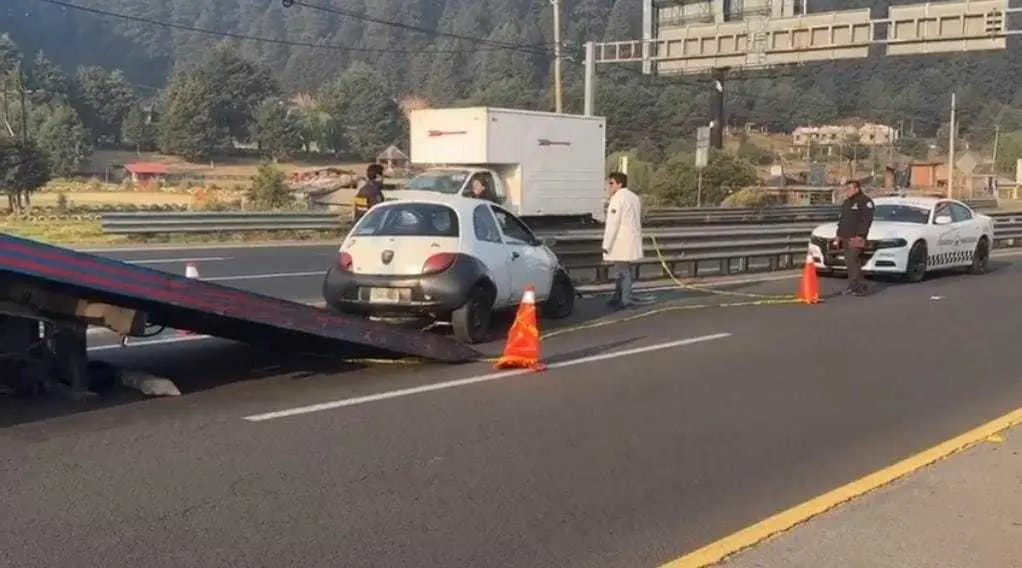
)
(644, 440)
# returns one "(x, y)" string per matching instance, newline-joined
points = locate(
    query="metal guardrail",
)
(694, 253)
(225, 222)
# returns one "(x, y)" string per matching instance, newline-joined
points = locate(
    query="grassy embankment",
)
(66, 212)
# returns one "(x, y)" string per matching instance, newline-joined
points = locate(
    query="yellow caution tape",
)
(681, 285)
(755, 300)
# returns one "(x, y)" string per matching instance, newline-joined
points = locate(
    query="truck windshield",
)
(448, 181)
(901, 214)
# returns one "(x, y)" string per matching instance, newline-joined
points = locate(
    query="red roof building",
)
(145, 172)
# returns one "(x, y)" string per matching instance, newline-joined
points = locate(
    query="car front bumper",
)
(889, 260)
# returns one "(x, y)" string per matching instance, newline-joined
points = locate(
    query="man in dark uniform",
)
(371, 192)
(852, 230)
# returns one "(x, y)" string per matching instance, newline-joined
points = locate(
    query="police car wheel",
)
(916, 269)
(980, 258)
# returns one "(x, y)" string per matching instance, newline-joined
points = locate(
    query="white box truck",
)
(542, 166)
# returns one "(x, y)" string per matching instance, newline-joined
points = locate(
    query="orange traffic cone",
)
(522, 348)
(809, 291)
(190, 272)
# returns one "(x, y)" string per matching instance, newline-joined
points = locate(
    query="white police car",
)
(911, 236)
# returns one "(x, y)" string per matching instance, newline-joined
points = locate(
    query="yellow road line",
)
(749, 536)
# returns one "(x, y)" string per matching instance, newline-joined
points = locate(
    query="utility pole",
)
(997, 136)
(717, 110)
(951, 146)
(590, 79)
(558, 101)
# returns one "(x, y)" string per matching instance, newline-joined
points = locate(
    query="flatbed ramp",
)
(30, 270)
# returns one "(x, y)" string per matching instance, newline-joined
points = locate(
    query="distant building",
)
(144, 173)
(867, 134)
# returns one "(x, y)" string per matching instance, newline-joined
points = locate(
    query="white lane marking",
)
(265, 276)
(172, 260)
(473, 380)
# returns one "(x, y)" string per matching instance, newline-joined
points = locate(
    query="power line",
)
(532, 49)
(245, 37)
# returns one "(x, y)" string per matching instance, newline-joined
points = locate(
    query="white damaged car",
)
(911, 236)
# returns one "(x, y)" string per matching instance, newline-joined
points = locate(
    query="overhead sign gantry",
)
(695, 37)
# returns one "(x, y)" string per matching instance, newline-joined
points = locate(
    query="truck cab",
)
(459, 181)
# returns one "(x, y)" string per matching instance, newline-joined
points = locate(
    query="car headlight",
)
(889, 243)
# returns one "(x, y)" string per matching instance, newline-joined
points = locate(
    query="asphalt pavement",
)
(646, 438)
(961, 512)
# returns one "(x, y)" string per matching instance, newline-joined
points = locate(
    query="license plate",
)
(384, 295)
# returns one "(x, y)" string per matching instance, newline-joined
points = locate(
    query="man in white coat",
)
(622, 237)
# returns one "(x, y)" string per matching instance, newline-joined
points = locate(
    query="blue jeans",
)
(621, 272)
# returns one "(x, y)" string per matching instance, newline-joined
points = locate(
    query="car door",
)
(947, 236)
(530, 262)
(969, 232)
(488, 246)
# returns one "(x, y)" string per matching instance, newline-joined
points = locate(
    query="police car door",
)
(969, 232)
(947, 237)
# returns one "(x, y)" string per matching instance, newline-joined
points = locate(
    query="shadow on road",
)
(198, 366)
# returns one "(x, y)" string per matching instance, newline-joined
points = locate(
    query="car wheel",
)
(471, 322)
(916, 269)
(980, 258)
(561, 302)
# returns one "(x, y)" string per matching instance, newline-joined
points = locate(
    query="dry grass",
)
(97, 198)
(90, 233)
(219, 167)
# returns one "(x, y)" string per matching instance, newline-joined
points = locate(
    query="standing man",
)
(622, 237)
(852, 231)
(371, 191)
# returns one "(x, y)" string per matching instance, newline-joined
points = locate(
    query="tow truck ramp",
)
(48, 283)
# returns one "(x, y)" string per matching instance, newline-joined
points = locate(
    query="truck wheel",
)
(471, 322)
(561, 302)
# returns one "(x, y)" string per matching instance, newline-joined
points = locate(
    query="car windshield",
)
(446, 181)
(901, 214)
(408, 220)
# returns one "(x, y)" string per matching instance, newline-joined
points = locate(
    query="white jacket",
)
(622, 233)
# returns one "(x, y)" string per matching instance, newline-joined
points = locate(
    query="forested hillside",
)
(445, 69)
(94, 75)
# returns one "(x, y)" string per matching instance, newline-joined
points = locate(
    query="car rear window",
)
(409, 220)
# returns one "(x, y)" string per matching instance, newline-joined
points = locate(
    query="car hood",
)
(878, 231)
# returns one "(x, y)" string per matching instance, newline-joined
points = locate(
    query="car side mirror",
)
(546, 241)
(942, 220)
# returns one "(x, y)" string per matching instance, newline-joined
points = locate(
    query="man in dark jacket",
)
(852, 231)
(371, 192)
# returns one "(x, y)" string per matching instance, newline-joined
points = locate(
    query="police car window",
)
(901, 214)
(409, 220)
(941, 210)
(512, 227)
(960, 213)
(485, 227)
